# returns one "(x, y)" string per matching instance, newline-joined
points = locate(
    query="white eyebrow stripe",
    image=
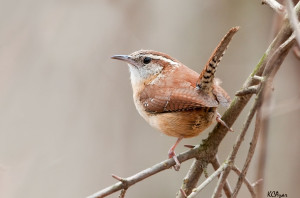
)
(163, 58)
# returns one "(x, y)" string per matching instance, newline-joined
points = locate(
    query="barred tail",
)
(206, 77)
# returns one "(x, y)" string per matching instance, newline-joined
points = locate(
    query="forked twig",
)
(208, 180)
(264, 95)
(227, 189)
(246, 181)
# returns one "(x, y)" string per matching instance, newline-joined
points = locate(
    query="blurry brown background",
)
(67, 119)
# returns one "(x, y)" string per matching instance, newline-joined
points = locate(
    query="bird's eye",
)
(147, 60)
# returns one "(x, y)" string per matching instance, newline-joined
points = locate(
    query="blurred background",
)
(67, 118)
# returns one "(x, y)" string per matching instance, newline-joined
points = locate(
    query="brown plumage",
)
(173, 98)
(177, 107)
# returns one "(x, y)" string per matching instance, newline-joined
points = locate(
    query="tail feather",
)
(206, 77)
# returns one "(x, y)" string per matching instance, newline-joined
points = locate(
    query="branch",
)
(246, 181)
(191, 179)
(270, 71)
(231, 158)
(264, 95)
(262, 155)
(227, 189)
(250, 154)
(293, 19)
(277, 7)
(208, 180)
(248, 90)
(129, 181)
(273, 65)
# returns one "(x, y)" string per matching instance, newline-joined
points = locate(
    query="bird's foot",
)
(218, 118)
(172, 154)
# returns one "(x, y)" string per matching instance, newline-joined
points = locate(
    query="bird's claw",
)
(172, 154)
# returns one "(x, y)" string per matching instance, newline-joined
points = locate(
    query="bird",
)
(173, 98)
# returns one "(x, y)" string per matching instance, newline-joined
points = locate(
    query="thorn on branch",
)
(248, 90)
(183, 193)
(259, 78)
(218, 118)
(296, 50)
(124, 182)
(257, 182)
(117, 178)
(189, 146)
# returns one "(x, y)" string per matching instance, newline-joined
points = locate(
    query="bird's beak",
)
(125, 58)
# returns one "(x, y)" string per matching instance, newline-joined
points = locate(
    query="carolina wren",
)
(172, 97)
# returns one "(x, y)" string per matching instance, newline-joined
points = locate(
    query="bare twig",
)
(145, 173)
(208, 180)
(262, 153)
(235, 149)
(239, 103)
(246, 181)
(277, 7)
(258, 78)
(227, 189)
(183, 193)
(269, 72)
(266, 112)
(248, 90)
(191, 179)
(296, 51)
(277, 58)
(250, 154)
(257, 182)
(293, 20)
(122, 194)
(221, 182)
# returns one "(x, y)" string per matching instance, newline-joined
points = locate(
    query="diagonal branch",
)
(270, 70)
(231, 157)
(246, 181)
(250, 154)
(164, 165)
(277, 7)
(227, 189)
(191, 179)
(293, 20)
(263, 97)
(208, 180)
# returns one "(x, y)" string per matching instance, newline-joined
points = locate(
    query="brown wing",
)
(221, 95)
(175, 92)
(160, 100)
